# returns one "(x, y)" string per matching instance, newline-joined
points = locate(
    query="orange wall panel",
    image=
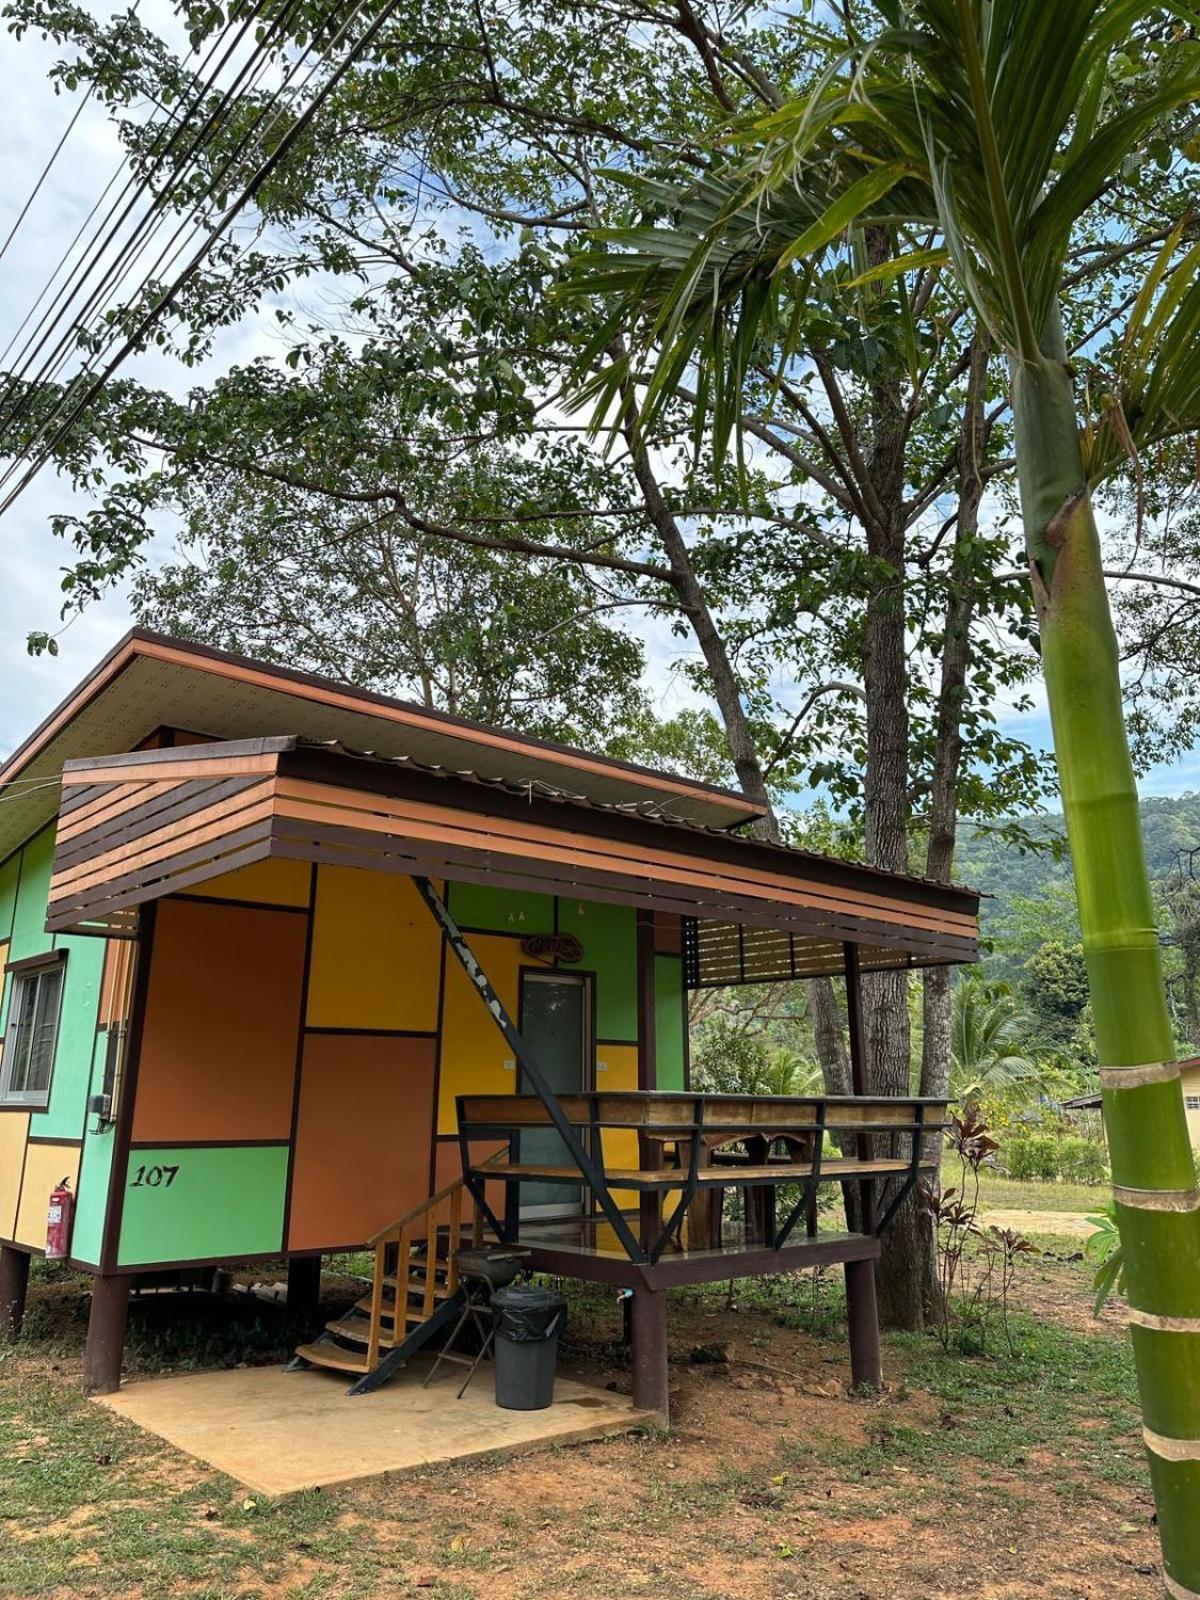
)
(448, 1167)
(376, 954)
(473, 1048)
(363, 1137)
(218, 1057)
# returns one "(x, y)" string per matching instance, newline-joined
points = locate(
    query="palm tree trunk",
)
(1154, 1181)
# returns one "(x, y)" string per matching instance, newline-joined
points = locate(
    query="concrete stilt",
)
(866, 1364)
(650, 1379)
(14, 1282)
(304, 1288)
(106, 1333)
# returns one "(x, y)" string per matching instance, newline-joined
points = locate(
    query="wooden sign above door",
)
(553, 947)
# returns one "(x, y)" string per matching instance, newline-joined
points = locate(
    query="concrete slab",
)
(279, 1432)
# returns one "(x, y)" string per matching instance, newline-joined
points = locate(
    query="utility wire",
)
(202, 86)
(46, 170)
(167, 297)
(48, 319)
(186, 230)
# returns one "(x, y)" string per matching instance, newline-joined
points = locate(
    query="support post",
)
(14, 1282)
(649, 1328)
(862, 1312)
(304, 1288)
(106, 1333)
(859, 1074)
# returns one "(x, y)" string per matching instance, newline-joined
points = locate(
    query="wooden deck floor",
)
(587, 1248)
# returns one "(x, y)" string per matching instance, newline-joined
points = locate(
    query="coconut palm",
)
(987, 1028)
(972, 139)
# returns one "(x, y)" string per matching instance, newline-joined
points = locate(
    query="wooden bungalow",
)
(290, 968)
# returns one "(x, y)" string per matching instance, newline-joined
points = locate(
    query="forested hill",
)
(1169, 824)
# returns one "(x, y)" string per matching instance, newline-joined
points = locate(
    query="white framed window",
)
(32, 1034)
(1192, 1102)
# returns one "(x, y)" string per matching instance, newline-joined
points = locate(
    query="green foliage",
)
(988, 1043)
(1033, 1158)
(305, 579)
(1052, 1157)
(1104, 1248)
(727, 1058)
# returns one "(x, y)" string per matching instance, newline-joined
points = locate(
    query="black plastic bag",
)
(527, 1314)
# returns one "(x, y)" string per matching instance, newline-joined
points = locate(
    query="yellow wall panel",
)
(269, 883)
(473, 1048)
(616, 1071)
(14, 1128)
(375, 956)
(45, 1164)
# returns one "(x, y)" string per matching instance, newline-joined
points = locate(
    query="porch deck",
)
(587, 1248)
(279, 1433)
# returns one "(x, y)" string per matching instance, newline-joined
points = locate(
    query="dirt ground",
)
(975, 1476)
(1066, 1224)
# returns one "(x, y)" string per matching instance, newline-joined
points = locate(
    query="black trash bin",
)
(528, 1322)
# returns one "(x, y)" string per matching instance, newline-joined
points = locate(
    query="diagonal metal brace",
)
(592, 1171)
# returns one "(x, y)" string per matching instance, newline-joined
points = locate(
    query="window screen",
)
(32, 1034)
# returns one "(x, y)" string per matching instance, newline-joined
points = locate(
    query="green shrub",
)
(1082, 1161)
(1034, 1159)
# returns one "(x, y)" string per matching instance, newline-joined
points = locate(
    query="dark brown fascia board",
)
(351, 772)
(227, 750)
(126, 651)
(48, 958)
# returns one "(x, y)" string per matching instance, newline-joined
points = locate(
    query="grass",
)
(89, 1503)
(998, 1192)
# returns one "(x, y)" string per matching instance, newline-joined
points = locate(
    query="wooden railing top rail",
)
(431, 1204)
(673, 1114)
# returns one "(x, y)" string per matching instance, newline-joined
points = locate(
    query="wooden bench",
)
(691, 1130)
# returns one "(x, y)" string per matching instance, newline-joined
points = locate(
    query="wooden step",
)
(335, 1356)
(388, 1310)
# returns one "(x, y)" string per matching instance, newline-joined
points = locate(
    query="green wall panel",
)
(474, 905)
(609, 938)
(224, 1202)
(9, 873)
(29, 937)
(91, 1200)
(669, 1021)
(64, 1116)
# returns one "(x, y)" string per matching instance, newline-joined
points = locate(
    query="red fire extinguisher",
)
(58, 1222)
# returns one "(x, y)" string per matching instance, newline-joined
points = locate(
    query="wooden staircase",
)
(414, 1292)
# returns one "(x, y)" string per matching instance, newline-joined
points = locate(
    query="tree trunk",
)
(947, 750)
(1154, 1179)
(823, 1009)
(885, 791)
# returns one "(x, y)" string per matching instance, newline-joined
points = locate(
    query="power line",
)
(253, 67)
(199, 88)
(265, 170)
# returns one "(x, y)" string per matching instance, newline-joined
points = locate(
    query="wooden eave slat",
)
(147, 822)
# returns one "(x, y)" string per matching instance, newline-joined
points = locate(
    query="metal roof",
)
(150, 681)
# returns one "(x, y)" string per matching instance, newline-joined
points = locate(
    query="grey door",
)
(554, 1022)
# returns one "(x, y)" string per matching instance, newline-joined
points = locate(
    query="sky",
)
(31, 560)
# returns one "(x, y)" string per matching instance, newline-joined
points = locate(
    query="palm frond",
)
(990, 122)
